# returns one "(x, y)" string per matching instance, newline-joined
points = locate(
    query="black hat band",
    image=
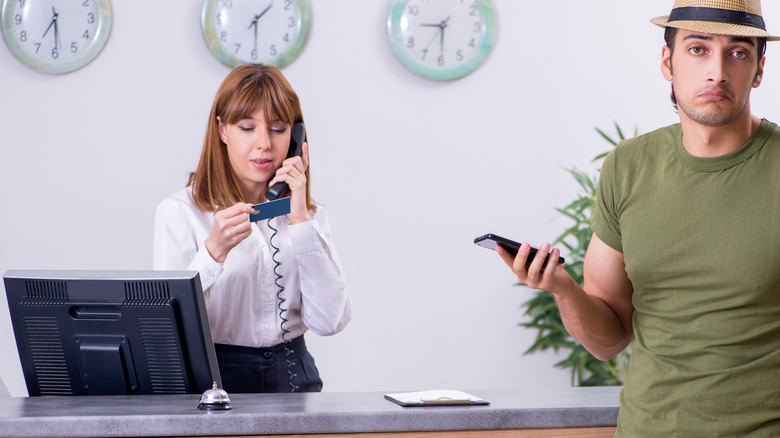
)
(718, 16)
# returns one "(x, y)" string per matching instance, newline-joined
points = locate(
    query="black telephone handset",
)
(297, 137)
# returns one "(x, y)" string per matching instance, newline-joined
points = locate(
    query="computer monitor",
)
(111, 332)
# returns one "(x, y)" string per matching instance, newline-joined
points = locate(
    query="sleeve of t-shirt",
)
(605, 222)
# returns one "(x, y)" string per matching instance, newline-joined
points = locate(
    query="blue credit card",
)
(270, 209)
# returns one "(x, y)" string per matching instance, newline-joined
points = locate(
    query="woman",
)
(257, 317)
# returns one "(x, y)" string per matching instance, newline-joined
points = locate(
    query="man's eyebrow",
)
(742, 40)
(697, 37)
(731, 40)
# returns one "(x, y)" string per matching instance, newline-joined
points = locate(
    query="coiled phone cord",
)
(282, 310)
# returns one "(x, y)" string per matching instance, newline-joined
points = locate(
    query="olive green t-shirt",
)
(701, 242)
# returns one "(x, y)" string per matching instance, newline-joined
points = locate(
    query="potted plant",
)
(542, 311)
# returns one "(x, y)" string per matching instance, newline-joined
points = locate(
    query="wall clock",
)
(268, 31)
(442, 39)
(55, 36)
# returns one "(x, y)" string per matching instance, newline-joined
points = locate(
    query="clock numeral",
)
(272, 50)
(472, 43)
(410, 43)
(227, 4)
(223, 36)
(440, 60)
(18, 19)
(424, 52)
(55, 53)
(91, 17)
(23, 36)
(413, 9)
(85, 4)
(287, 5)
(37, 47)
(21, 3)
(86, 34)
(291, 21)
(238, 47)
(459, 55)
(253, 55)
(477, 27)
(474, 9)
(73, 47)
(218, 19)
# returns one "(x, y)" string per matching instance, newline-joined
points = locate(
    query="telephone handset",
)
(297, 138)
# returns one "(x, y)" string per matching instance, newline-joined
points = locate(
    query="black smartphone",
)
(297, 137)
(490, 241)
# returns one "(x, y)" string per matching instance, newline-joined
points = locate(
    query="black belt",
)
(297, 344)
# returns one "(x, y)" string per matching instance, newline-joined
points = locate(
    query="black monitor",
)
(111, 332)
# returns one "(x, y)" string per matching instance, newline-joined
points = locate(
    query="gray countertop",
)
(328, 412)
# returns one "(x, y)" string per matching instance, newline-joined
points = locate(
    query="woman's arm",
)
(176, 245)
(325, 303)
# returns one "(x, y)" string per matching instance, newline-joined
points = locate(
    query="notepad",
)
(437, 397)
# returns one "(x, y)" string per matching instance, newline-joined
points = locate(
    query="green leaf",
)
(606, 137)
(542, 311)
(620, 133)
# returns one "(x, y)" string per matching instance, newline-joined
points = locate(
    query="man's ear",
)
(666, 63)
(221, 129)
(759, 73)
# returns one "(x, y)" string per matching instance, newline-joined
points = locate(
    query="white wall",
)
(411, 170)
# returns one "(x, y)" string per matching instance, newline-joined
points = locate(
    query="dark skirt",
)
(249, 369)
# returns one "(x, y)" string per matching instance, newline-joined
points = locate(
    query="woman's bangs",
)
(256, 96)
(243, 104)
(276, 106)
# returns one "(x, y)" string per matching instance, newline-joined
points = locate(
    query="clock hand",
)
(53, 23)
(53, 18)
(47, 29)
(56, 31)
(254, 22)
(257, 17)
(432, 39)
(443, 26)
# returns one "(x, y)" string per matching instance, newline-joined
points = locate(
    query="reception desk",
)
(580, 412)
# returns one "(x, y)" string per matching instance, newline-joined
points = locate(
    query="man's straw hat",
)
(720, 17)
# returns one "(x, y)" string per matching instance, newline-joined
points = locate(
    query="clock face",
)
(55, 36)
(269, 31)
(442, 39)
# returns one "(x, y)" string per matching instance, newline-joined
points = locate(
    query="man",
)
(684, 264)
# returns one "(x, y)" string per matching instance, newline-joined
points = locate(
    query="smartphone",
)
(491, 240)
(297, 137)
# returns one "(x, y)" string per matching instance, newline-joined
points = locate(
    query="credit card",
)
(270, 209)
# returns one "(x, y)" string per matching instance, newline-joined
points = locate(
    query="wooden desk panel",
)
(584, 432)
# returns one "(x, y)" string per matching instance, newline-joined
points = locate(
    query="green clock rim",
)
(283, 59)
(87, 55)
(447, 73)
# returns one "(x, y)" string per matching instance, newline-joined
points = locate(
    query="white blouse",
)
(240, 293)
